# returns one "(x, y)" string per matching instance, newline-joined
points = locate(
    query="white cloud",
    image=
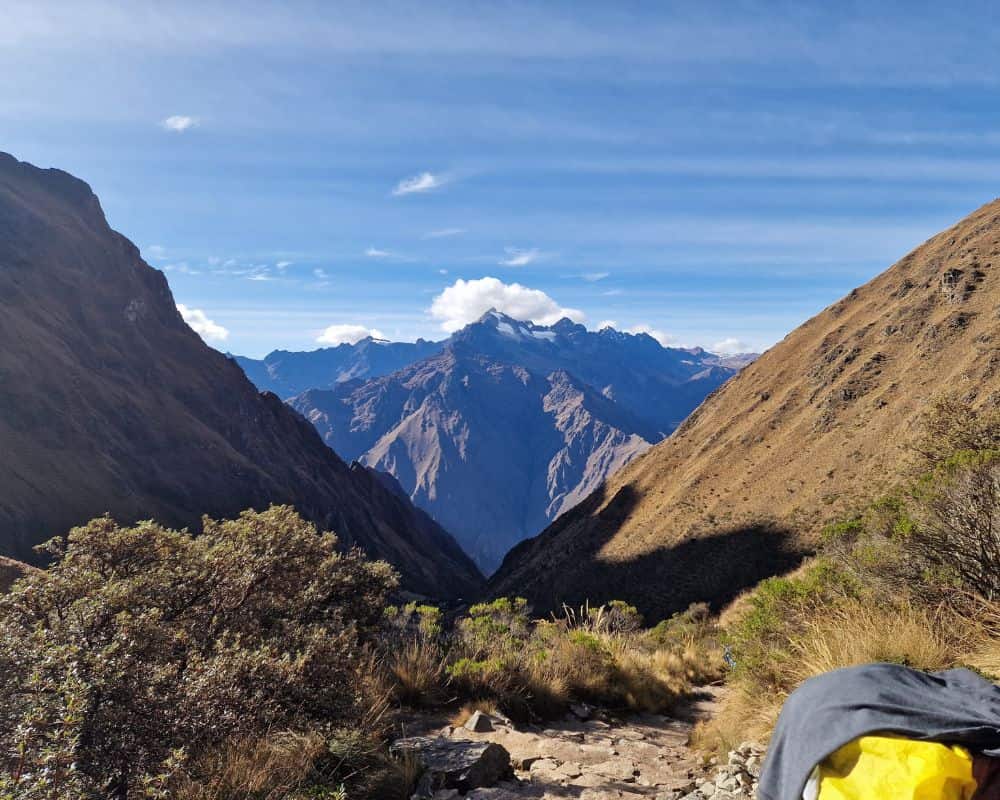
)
(156, 252)
(519, 258)
(466, 301)
(179, 123)
(424, 182)
(730, 346)
(321, 273)
(444, 233)
(593, 277)
(442, 272)
(347, 334)
(283, 264)
(200, 323)
(374, 252)
(606, 323)
(665, 339)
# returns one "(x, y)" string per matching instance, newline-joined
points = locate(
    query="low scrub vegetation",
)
(911, 580)
(496, 655)
(257, 661)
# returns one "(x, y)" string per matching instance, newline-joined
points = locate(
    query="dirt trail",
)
(593, 756)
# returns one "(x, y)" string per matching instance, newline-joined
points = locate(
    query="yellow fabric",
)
(886, 768)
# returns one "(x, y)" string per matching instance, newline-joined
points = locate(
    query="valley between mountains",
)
(524, 561)
(502, 427)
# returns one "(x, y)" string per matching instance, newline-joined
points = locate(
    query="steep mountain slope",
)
(289, 373)
(109, 402)
(491, 450)
(812, 427)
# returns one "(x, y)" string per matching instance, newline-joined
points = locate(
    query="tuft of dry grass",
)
(275, 767)
(418, 673)
(858, 632)
(850, 632)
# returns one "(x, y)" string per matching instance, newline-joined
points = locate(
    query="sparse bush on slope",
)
(142, 655)
(912, 580)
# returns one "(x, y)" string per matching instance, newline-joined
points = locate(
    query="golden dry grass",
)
(853, 632)
(418, 673)
(270, 768)
(860, 633)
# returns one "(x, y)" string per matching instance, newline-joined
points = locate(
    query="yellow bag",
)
(887, 768)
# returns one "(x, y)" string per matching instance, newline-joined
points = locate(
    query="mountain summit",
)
(814, 426)
(512, 423)
(111, 403)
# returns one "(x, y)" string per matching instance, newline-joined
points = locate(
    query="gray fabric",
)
(828, 711)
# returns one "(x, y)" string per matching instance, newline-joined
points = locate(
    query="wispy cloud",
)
(444, 233)
(199, 322)
(283, 264)
(155, 252)
(179, 123)
(374, 252)
(520, 258)
(730, 346)
(424, 182)
(321, 274)
(665, 339)
(347, 334)
(593, 277)
(466, 301)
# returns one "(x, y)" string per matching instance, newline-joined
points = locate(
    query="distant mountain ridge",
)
(809, 432)
(109, 402)
(511, 423)
(288, 373)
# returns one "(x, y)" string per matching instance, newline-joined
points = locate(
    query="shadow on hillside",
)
(714, 567)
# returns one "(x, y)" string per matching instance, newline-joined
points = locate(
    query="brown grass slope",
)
(817, 424)
(110, 402)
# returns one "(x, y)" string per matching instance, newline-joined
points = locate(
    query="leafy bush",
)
(142, 649)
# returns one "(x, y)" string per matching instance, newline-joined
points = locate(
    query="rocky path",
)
(588, 755)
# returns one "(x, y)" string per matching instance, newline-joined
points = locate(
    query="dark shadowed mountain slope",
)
(110, 402)
(290, 373)
(814, 426)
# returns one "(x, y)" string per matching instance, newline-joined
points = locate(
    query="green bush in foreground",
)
(142, 654)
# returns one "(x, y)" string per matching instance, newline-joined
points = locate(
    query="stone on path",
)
(455, 764)
(479, 723)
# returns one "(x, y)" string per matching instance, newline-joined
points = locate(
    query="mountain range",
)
(810, 431)
(506, 424)
(109, 402)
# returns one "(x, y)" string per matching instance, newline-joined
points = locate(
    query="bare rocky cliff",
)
(109, 402)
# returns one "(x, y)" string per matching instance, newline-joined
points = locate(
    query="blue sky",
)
(714, 172)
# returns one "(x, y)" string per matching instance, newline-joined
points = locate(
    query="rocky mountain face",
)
(816, 425)
(511, 424)
(109, 402)
(290, 373)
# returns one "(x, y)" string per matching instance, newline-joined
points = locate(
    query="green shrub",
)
(141, 648)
